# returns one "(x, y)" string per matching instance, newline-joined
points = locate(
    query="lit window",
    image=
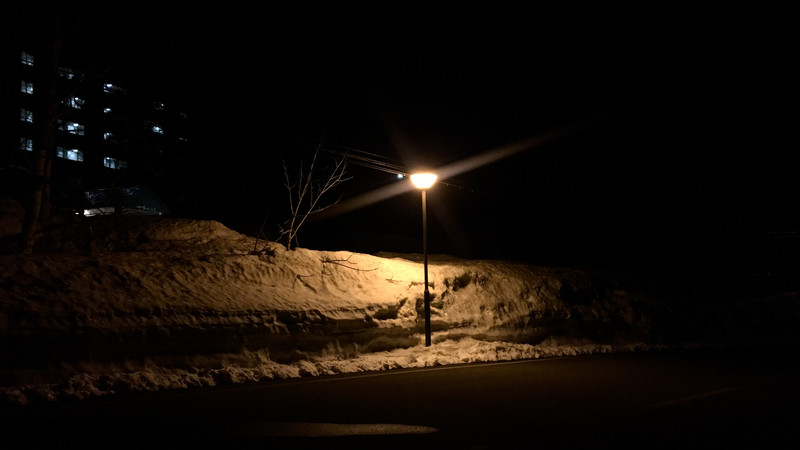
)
(112, 89)
(26, 115)
(72, 154)
(26, 144)
(27, 87)
(154, 127)
(98, 211)
(72, 128)
(114, 163)
(27, 59)
(66, 72)
(74, 102)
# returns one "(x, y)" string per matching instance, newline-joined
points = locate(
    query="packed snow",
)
(116, 304)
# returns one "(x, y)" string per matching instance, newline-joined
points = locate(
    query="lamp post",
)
(423, 181)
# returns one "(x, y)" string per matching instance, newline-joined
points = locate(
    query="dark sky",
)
(682, 120)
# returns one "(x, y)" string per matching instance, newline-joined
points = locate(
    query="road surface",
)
(649, 400)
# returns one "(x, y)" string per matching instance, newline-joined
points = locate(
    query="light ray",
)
(496, 154)
(444, 172)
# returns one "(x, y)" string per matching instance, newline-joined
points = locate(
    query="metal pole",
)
(427, 297)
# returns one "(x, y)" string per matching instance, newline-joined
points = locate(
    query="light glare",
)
(423, 180)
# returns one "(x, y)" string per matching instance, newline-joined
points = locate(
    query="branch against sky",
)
(305, 193)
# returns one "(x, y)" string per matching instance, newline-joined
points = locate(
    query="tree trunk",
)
(38, 208)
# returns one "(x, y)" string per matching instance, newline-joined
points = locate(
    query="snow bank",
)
(119, 303)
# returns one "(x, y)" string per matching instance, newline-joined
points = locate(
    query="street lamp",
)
(423, 181)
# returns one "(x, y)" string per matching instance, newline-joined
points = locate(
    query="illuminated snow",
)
(197, 304)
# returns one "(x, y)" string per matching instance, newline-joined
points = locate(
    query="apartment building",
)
(115, 145)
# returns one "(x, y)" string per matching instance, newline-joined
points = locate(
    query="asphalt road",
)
(699, 400)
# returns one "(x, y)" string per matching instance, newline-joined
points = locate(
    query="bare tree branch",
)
(345, 263)
(305, 193)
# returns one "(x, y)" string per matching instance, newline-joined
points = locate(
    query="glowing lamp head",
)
(423, 180)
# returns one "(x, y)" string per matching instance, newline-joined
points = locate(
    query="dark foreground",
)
(719, 399)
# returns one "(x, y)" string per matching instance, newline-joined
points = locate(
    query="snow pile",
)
(122, 303)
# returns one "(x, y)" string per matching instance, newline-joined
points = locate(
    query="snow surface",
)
(120, 304)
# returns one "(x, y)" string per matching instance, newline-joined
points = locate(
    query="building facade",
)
(103, 137)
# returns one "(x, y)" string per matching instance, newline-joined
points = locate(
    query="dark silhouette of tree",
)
(305, 192)
(38, 202)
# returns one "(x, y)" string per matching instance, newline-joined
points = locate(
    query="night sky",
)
(675, 125)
